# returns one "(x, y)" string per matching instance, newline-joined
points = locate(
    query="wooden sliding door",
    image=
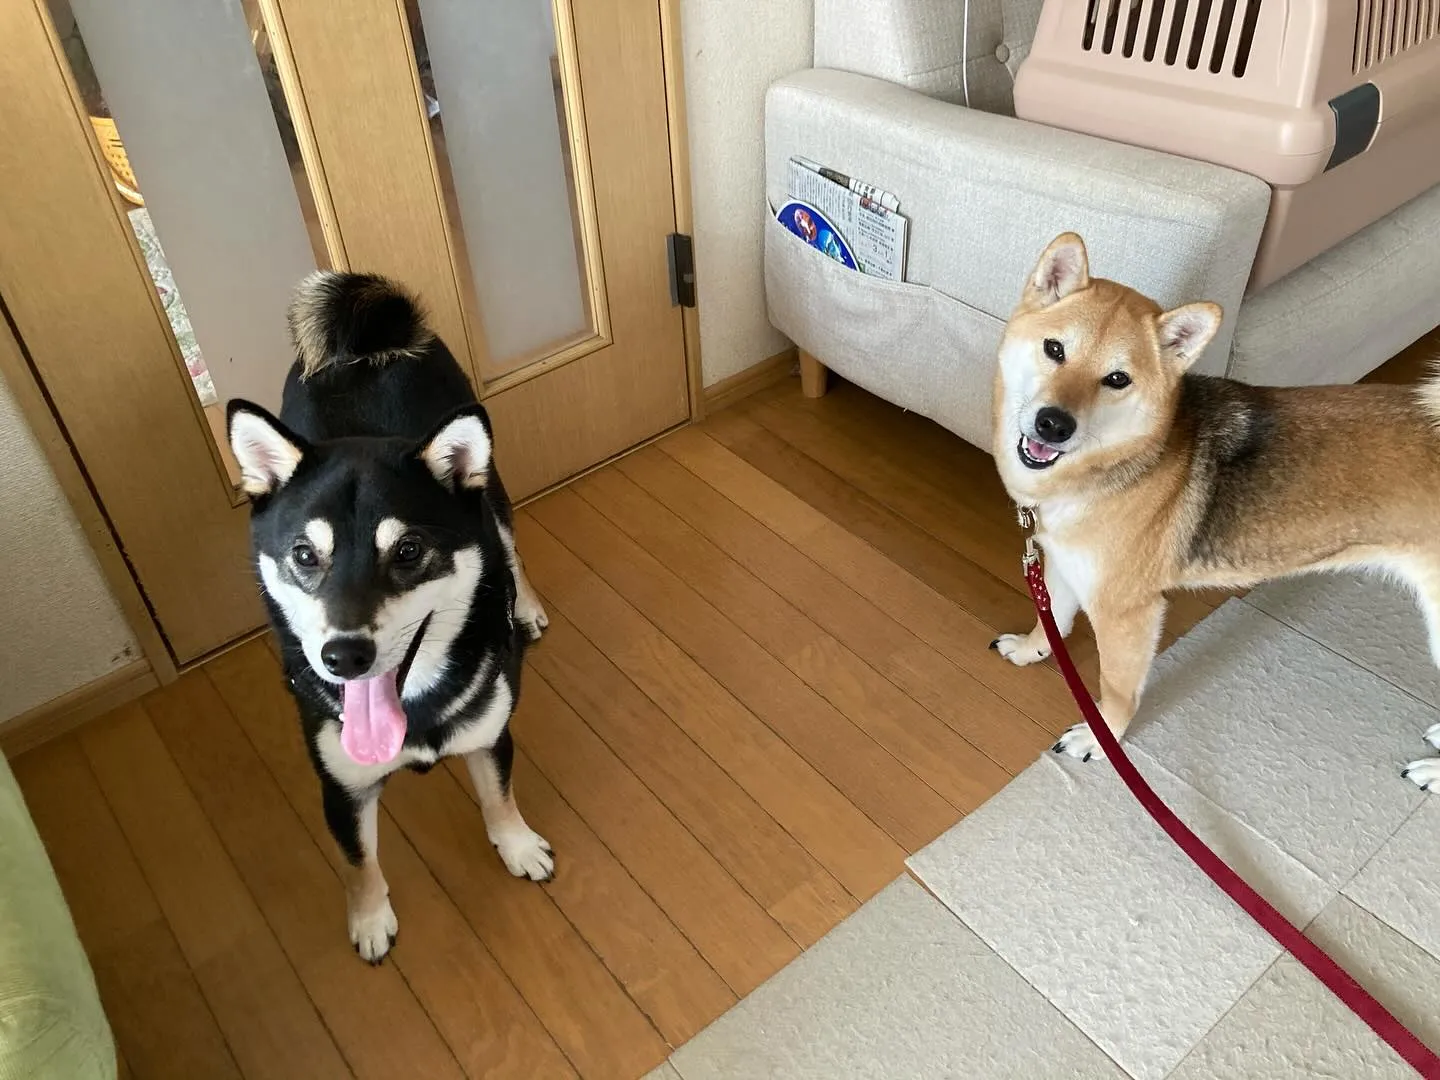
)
(170, 170)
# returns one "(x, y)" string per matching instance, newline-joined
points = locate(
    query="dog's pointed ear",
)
(1185, 331)
(1062, 270)
(458, 453)
(267, 452)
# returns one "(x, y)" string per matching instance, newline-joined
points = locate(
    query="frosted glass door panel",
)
(214, 203)
(491, 76)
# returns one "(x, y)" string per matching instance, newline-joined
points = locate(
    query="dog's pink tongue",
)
(1039, 451)
(372, 721)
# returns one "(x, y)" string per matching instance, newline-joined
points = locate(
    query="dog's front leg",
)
(354, 822)
(1424, 576)
(1031, 648)
(525, 852)
(1126, 639)
(529, 612)
(1425, 773)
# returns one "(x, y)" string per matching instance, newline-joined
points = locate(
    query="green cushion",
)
(52, 1026)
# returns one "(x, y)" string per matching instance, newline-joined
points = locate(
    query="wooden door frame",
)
(48, 426)
(672, 44)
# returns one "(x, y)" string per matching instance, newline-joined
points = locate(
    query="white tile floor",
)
(1064, 876)
(1297, 742)
(1289, 1027)
(1067, 937)
(901, 989)
(1401, 884)
(1370, 621)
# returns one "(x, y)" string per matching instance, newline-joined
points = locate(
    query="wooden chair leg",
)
(814, 376)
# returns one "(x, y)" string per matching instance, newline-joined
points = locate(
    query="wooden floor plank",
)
(706, 538)
(162, 1024)
(919, 445)
(1000, 605)
(945, 626)
(893, 483)
(602, 1031)
(657, 965)
(930, 452)
(375, 1019)
(788, 789)
(702, 898)
(765, 860)
(966, 473)
(261, 1006)
(488, 1026)
(879, 784)
(872, 480)
(969, 513)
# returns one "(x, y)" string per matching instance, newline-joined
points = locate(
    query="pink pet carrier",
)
(1334, 103)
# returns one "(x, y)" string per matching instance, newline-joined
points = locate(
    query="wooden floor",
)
(765, 683)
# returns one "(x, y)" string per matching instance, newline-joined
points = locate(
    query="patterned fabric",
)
(922, 45)
(175, 312)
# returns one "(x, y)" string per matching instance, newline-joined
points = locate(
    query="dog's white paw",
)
(530, 614)
(373, 931)
(525, 852)
(1424, 774)
(1017, 649)
(1079, 742)
(1432, 736)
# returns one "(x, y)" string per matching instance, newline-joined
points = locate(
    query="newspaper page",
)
(866, 216)
(859, 187)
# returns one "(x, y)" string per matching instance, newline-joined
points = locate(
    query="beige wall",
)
(61, 627)
(732, 53)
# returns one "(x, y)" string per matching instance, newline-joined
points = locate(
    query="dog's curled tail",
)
(337, 318)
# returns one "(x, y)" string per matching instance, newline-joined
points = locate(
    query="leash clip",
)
(1026, 517)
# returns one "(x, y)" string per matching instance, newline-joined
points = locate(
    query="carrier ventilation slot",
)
(1386, 28)
(1196, 33)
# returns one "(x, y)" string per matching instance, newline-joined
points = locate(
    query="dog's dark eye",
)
(304, 555)
(1054, 350)
(1116, 380)
(408, 550)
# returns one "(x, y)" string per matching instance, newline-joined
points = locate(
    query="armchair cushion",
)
(919, 44)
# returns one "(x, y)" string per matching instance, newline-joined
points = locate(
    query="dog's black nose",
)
(1054, 425)
(348, 657)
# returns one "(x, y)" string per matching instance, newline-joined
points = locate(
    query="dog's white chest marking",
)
(477, 732)
(480, 732)
(1076, 564)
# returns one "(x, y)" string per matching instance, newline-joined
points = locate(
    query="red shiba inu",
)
(1144, 478)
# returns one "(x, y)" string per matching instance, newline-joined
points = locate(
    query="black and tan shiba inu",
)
(1144, 478)
(383, 540)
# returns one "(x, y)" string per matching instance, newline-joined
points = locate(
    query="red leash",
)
(1355, 997)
